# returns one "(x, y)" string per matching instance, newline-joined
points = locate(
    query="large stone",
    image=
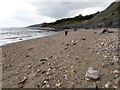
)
(92, 74)
(108, 84)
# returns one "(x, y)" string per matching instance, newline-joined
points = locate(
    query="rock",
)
(30, 49)
(50, 57)
(102, 43)
(72, 66)
(49, 69)
(65, 76)
(105, 31)
(17, 73)
(58, 85)
(27, 56)
(23, 80)
(94, 32)
(73, 71)
(65, 48)
(38, 70)
(93, 86)
(20, 39)
(108, 84)
(43, 72)
(92, 50)
(47, 86)
(47, 73)
(115, 59)
(29, 66)
(92, 74)
(116, 71)
(77, 57)
(45, 81)
(74, 43)
(114, 87)
(38, 85)
(67, 44)
(43, 59)
(83, 38)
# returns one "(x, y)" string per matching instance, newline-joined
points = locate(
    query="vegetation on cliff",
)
(109, 18)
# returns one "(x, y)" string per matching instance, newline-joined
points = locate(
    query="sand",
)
(60, 61)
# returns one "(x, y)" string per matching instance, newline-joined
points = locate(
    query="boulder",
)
(92, 74)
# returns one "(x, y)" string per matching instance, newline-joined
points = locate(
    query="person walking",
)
(66, 32)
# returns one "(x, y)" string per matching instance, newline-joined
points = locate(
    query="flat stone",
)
(92, 74)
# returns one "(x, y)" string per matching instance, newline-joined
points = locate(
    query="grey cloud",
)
(62, 9)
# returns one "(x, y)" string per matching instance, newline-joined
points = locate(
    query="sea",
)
(12, 35)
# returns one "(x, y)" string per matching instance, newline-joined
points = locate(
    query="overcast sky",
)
(17, 13)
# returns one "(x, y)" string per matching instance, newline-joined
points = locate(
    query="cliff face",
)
(109, 18)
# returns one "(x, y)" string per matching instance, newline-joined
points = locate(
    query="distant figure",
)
(66, 32)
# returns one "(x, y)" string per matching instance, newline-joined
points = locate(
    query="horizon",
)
(29, 12)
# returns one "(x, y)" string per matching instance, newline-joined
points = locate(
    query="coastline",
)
(13, 35)
(60, 60)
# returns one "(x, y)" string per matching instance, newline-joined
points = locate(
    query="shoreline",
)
(32, 39)
(61, 61)
(18, 36)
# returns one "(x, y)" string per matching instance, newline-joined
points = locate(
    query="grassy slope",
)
(107, 18)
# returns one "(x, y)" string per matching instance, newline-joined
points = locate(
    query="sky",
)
(21, 13)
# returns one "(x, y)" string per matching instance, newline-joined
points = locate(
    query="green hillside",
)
(107, 18)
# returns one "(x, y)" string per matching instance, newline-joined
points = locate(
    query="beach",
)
(60, 61)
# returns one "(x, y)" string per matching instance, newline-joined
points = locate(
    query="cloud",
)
(27, 12)
(60, 10)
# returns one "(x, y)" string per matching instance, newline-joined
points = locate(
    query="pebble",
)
(73, 71)
(65, 48)
(49, 69)
(50, 57)
(92, 74)
(92, 50)
(23, 80)
(108, 84)
(43, 72)
(38, 70)
(74, 43)
(58, 85)
(29, 66)
(102, 43)
(17, 73)
(115, 59)
(116, 71)
(77, 58)
(67, 44)
(27, 56)
(83, 38)
(115, 87)
(43, 59)
(47, 86)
